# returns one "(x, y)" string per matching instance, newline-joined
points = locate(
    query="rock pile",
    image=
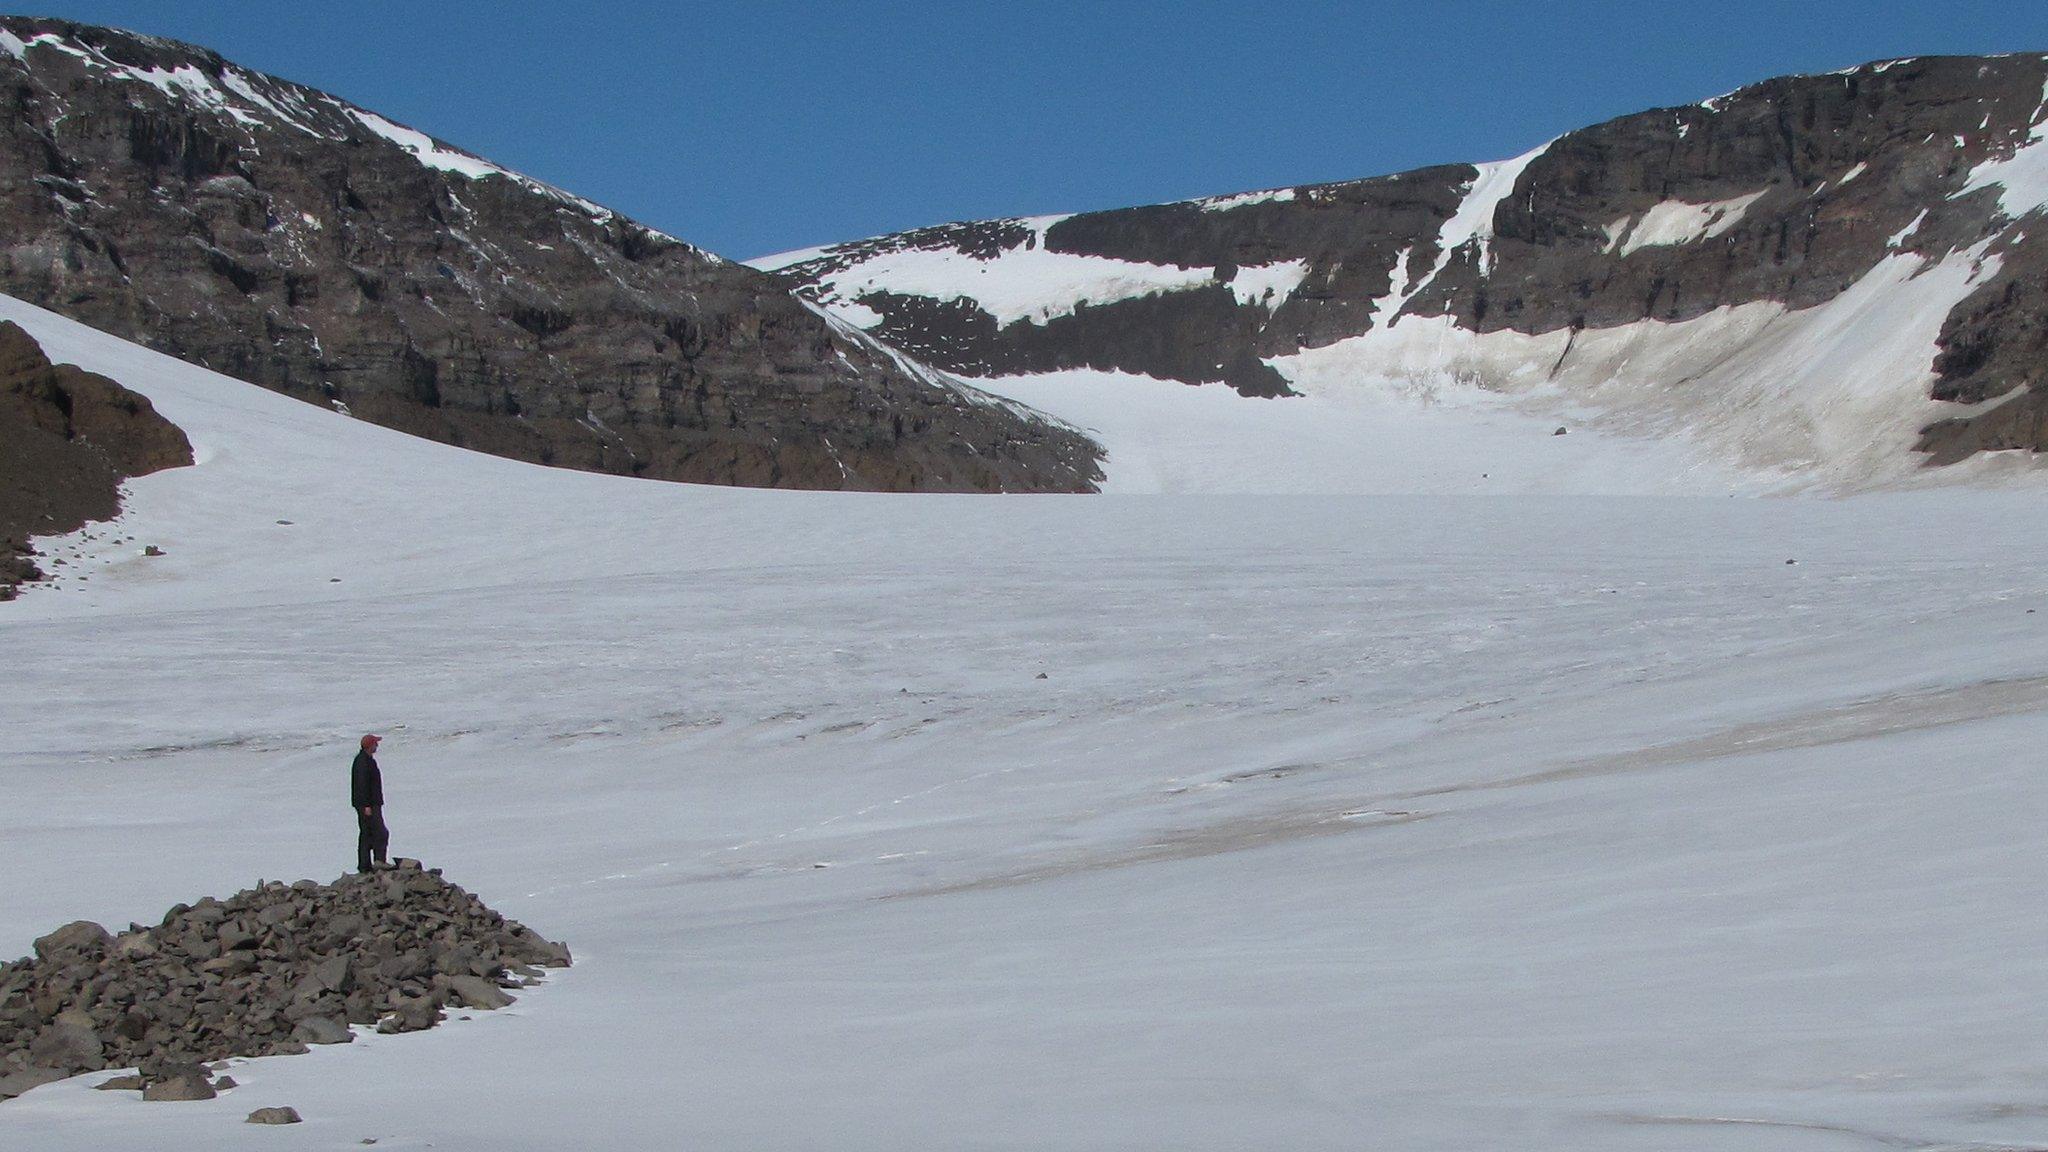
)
(267, 971)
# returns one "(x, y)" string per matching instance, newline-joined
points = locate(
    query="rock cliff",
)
(1816, 204)
(68, 438)
(291, 239)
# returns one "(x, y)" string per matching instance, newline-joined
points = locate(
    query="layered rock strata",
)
(1782, 196)
(286, 237)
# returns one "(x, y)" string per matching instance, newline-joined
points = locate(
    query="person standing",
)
(366, 794)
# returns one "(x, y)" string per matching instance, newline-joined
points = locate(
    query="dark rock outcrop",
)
(288, 238)
(266, 972)
(67, 439)
(1792, 191)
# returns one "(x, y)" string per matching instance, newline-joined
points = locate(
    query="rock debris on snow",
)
(266, 972)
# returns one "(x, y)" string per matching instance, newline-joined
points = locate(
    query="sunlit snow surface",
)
(1677, 222)
(1529, 820)
(2021, 176)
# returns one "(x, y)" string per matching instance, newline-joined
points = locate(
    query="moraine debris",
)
(266, 972)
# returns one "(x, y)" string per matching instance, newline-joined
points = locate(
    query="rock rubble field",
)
(265, 972)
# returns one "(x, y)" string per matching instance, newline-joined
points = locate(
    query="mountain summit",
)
(287, 237)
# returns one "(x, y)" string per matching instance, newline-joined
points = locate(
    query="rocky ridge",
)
(68, 438)
(268, 971)
(1788, 194)
(289, 238)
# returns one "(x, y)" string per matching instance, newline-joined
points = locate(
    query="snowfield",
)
(1555, 809)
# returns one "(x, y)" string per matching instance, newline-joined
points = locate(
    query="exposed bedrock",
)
(285, 237)
(68, 438)
(1790, 191)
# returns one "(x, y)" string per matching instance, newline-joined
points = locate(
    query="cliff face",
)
(286, 237)
(68, 438)
(1784, 198)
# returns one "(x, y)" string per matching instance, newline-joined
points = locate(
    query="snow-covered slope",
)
(1411, 821)
(1830, 279)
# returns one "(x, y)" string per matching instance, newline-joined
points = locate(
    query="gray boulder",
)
(16, 1083)
(79, 936)
(137, 945)
(332, 974)
(70, 1044)
(476, 992)
(322, 1030)
(190, 1084)
(273, 1116)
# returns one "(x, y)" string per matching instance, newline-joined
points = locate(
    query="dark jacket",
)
(365, 782)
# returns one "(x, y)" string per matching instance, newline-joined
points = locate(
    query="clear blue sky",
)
(753, 126)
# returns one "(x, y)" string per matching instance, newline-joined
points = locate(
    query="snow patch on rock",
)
(1268, 284)
(1026, 283)
(433, 154)
(925, 373)
(1472, 223)
(1833, 395)
(257, 101)
(1676, 222)
(2022, 176)
(1244, 199)
(1906, 233)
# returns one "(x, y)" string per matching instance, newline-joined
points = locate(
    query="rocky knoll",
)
(286, 237)
(68, 438)
(267, 971)
(1787, 194)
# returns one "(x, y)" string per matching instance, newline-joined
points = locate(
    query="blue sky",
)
(751, 128)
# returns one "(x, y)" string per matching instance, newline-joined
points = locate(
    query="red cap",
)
(370, 740)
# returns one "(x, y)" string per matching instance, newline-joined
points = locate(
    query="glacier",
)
(1571, 810)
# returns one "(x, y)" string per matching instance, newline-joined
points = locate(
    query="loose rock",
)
(265, 972)
(188, 1085)
(273, 1116)
(16, 1083)
(323, 1030)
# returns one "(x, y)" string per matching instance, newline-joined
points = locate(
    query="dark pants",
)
(372, 838)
